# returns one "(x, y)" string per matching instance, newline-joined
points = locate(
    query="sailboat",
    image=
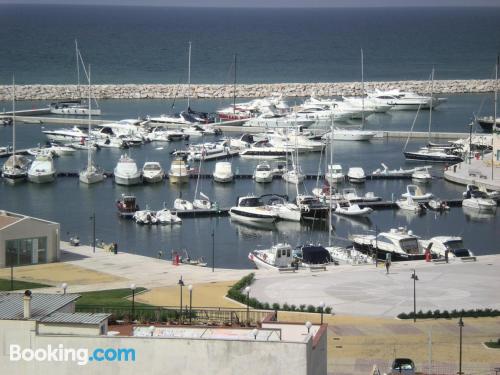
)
(294, 175)
(15, 169)
(203, 201)
(74, 107)
(92, 174)
(430, 153)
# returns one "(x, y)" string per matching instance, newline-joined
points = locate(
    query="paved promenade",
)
(477, 172)
(369, 291)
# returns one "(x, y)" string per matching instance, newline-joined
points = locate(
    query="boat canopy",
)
(312, 254)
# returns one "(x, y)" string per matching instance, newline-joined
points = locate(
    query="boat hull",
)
(433, 159)
(127, 180)
(223, 179)
(152, 179)
(381, 254)
(247, 217)
(14, 178)
(42, 178)
(177, 179)
(90, 178)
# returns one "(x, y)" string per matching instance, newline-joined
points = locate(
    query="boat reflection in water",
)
(477, 215)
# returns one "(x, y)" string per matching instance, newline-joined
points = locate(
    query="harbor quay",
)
(207, 91)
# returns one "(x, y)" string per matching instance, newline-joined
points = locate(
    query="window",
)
(26, 251)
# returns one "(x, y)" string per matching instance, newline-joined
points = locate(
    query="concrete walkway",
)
(369, 291)
(477, 172)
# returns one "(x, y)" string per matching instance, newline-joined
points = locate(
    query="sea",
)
(149, 45)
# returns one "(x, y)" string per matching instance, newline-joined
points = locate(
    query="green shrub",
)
(328, 310)
(276, 306)
(302, 308)
(286, 307)
(403, 316)
(293, 307)
(445, 314)
(266, 306)
(311, 309)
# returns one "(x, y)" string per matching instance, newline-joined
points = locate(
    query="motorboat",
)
(127, 206)
(166, 216)
(160, 134)
(263, 173)
(293, 175)
(74, 134)
(454, 245)
(349, 255)
(327, 193)
(408, 204)
(279, 256)
(277, 120)
(343, 134)
(311, 207)
(15, 169)
(145, 217)
(60, 150)
(422, 176)
(404, 100)
(311, 256)
(479, 200)
(334, 174)
(368, 104)
(495, 195)
(223, 172)
(351, 195)
(284, 209)
(183, 205)
(73, 107)
(386, 172)
(433, 155)
(264, 150)
(126, 171)
(179, 172)
(252, 209)
(42, 170)
(180, 118)
(438, 205)
(41, 151)
(486, 123)
(356, 175)
(415, 193)
(400, 243)
(352, 209)
(112, 142)
(152, 172)
(212, 151)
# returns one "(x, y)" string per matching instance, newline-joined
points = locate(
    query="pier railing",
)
(176, 315)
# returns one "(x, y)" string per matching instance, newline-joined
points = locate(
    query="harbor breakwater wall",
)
(210, 91)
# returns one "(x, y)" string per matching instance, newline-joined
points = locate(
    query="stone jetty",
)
(210, 91)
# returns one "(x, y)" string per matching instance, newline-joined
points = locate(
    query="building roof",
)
(76, 318)
(42, 305)
(8, 220)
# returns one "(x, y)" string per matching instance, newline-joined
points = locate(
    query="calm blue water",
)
(149, 45)
(71, 203)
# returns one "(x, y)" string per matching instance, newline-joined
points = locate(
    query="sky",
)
(267, 3)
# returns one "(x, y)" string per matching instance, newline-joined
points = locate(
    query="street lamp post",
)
(190, 287)
(461, 325)
(132, 287)
(308, 326)
(181, 284)
(64, 286)
(322, 307)
(376, 246)
(93, 231)
(470, 141)
(415, 279)
(247, 291)
(213, 250)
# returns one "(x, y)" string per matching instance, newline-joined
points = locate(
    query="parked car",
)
(402, 366)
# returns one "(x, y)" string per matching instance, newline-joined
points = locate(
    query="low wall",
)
(157, 91)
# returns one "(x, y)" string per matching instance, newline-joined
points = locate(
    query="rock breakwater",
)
(215, 91)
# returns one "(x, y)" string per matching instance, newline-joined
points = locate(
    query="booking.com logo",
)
(81, 356)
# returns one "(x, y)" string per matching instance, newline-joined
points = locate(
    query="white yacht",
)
(278, 120)
(422, 176)
(334, 174)
(351, 195)
(251, 209)
(211, 151)
(264, 150)
(343, 134)
(160, 134)
(415, 193)
(145, 217)
(453, 244)
(368, 104)
(402, 100)
(263, 173)
(402, 244)
(284, 210)
(479, 201)
(408, 204)
(152, 172)
(356, 175)
(75, 134)
(223, 172)
(179, 172)
(42, 170)
(126, 171)
(72, 107)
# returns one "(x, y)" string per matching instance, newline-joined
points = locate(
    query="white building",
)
(36, 328)
(27, 240)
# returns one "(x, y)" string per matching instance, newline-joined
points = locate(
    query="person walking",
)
(446, 252)
(387, 265)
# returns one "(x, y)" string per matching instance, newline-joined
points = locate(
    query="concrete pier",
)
(478, 171)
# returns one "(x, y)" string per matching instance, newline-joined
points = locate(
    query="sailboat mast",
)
(494, 126)
(430, 106)
(89, 151)
(189, 76)
(234, 86)
(362, 91)
(330, 186)
(14, 119)
(77, 69)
